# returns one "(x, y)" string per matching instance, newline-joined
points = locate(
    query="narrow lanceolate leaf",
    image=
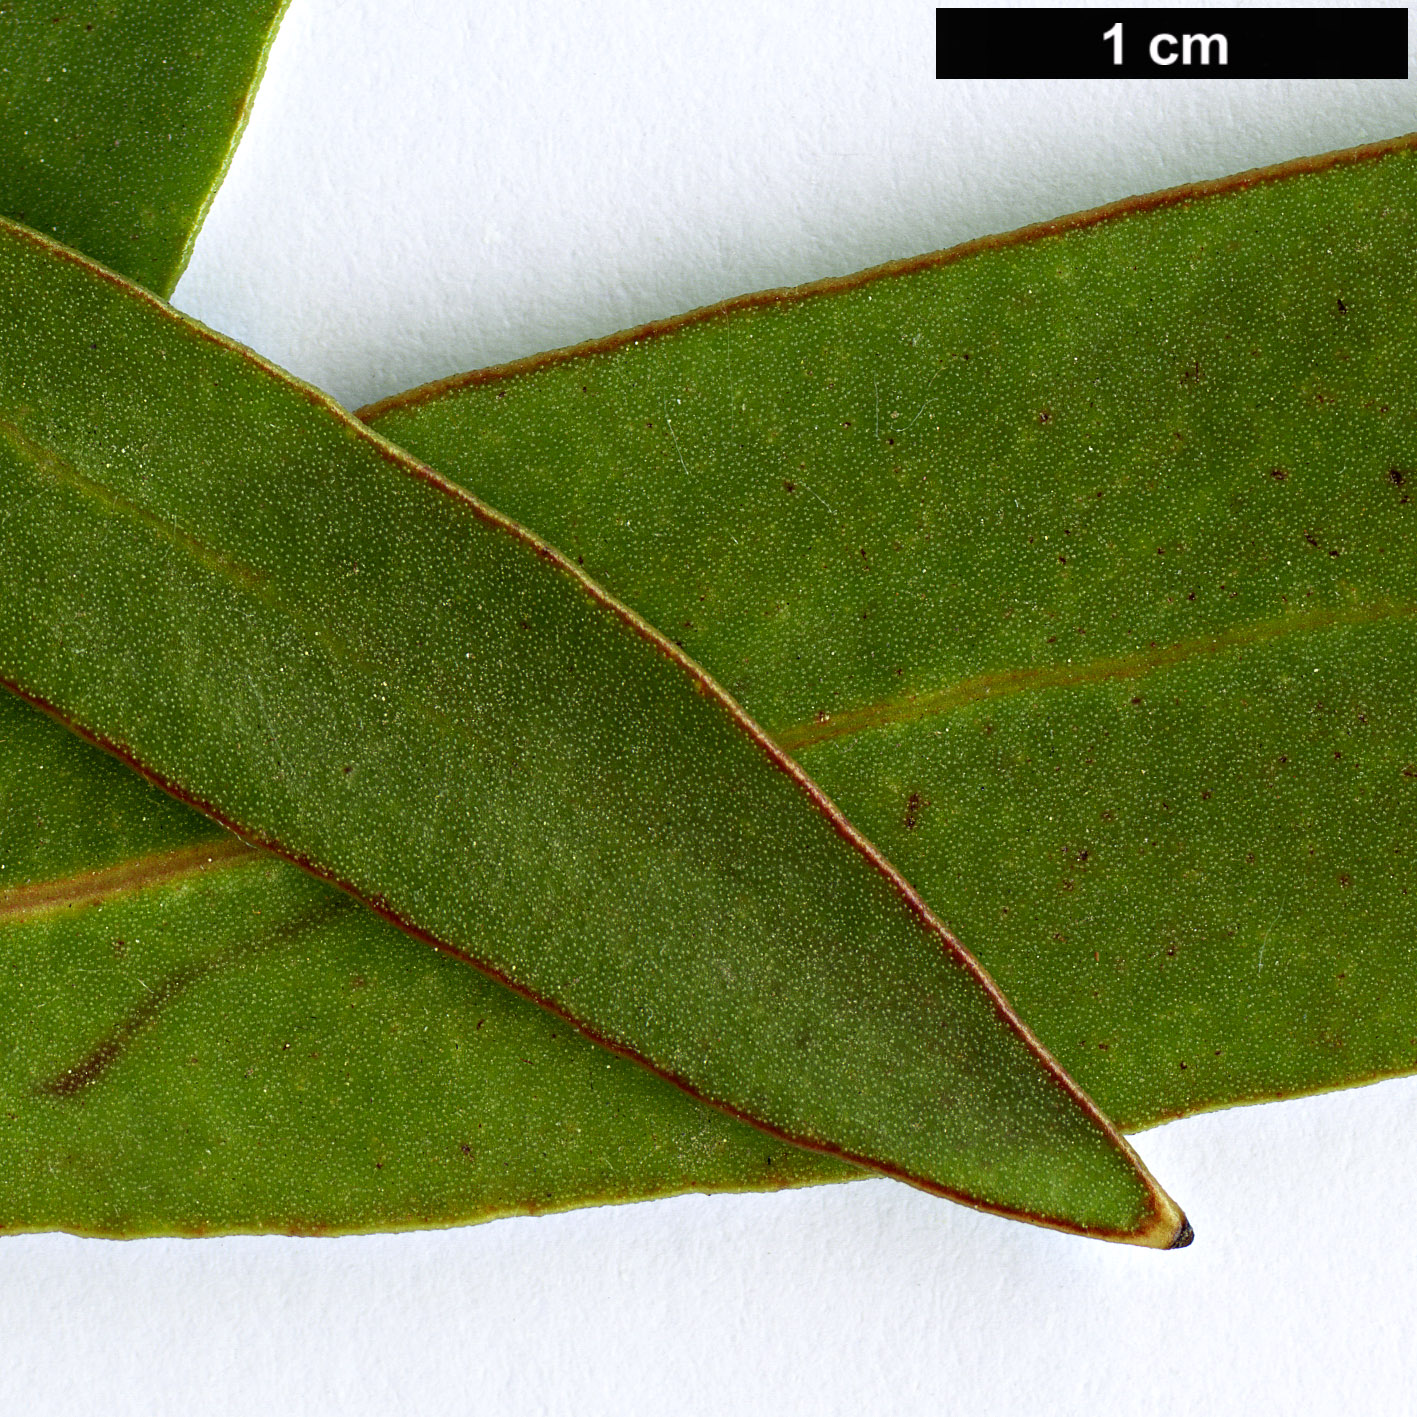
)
(360, 1082)
(117, 120)
(217, 574)
(1079, 566)
(197, 1038)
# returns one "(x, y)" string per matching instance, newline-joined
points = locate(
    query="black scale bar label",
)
(1368, 43)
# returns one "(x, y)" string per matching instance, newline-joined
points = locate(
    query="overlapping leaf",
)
(201, 1038)
(218, 575)
(131, 1156)
(1080, 568)
(374, 1085)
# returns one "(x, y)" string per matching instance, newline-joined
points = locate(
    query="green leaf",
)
(196, 1037)
(1079, 566)
(213, 571)
(114, 956)
(118, 120)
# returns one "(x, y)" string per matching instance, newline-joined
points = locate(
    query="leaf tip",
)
(1166, 1228)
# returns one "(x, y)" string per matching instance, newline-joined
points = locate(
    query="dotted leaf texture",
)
(1079, 566)
(125, 916)
(216, 574)
(117, 120)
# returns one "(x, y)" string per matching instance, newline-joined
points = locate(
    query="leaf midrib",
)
(1073, 674)
(140, 873)
(217, 563)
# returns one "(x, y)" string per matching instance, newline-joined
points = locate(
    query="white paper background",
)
(427, 186)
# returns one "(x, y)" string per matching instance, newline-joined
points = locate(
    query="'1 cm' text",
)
(1166, 49)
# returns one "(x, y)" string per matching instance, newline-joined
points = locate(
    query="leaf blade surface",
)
(123, 1149)
(117, 121)
(193, 529)
(1073, 565)
(207, 1041)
